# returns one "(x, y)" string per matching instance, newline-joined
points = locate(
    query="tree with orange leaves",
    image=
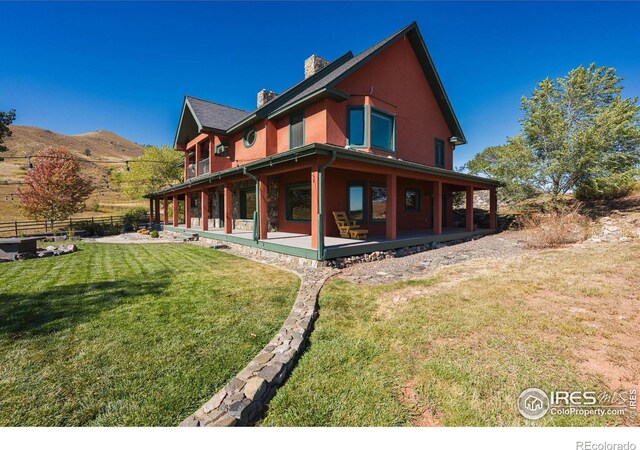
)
(54, 189)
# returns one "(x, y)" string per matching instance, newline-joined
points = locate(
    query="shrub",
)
(133, 217)
(97, 228)
(614, 186)
(154, 234)
(555, 228)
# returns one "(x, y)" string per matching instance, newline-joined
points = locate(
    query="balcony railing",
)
(203, 166)
(191, 171)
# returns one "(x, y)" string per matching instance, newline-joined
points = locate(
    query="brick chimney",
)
(313, 64)
(265, 96)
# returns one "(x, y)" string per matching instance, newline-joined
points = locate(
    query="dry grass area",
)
(555, 228)
(457, 348)
(105, 146)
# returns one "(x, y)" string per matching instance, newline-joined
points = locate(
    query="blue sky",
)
(77, 67)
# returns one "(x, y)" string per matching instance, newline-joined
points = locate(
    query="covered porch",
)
(288, 207)
(300, 245)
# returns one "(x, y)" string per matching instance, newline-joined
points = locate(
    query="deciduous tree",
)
(6, 119)
(581, 129)
(578, 135)
(513, 163)
(54, 189)
(156, 168)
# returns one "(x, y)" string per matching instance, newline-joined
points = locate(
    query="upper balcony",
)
(191, 171)
(202, 168)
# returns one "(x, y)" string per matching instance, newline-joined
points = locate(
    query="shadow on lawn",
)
(61, 307)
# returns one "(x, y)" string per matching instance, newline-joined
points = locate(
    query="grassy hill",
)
(101, 151)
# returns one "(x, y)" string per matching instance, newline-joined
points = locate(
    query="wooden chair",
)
(348, 228)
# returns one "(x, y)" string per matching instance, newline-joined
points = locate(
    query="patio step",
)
(188, 236)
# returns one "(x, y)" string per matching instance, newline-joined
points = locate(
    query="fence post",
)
(46, 229)
(111, 217)
(91, 220)
(16, 227)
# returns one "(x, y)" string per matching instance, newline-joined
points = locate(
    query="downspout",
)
(256, 213)
(321, 169)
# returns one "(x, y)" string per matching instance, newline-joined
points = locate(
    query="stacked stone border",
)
(243, 400)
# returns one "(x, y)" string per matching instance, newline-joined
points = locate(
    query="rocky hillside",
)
(102, 150)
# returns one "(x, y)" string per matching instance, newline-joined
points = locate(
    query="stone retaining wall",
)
(242, 401)
(247, 251)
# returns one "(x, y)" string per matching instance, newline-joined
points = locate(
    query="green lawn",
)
(458, 348)
(130, 334)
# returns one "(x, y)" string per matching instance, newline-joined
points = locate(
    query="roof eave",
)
(185, 105)
(320, 94)
(417, 40)
(326, 150)
(253, 118)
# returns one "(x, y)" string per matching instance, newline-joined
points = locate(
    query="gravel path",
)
(503, 245)
(135, 238)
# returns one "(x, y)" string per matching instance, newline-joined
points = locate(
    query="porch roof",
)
(324, 150)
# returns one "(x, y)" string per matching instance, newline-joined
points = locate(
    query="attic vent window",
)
(249, 137)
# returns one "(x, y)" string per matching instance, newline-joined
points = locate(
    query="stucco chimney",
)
(314, 64)
(265, 96)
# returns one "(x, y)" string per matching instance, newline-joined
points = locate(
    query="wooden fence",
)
(38, 227)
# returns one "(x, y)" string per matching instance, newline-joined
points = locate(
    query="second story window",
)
(355, 126)
(439, 151)
(382, 131)
(296, 130)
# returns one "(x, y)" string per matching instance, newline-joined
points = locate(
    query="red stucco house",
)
(372, 135)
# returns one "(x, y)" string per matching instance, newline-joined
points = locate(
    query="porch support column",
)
(150, 211)
(263, 220)
(315, 203)
(228, 208)
(174, 204)
(204, 210)
(165, 210)
(493, 209)
(197, 169)
(187, 210)
(156, 210)
(469, 208)
(437, 207)
(392, 207)
(448, 200)
(211, 149)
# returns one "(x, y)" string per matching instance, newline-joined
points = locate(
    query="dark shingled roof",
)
(225, 118)
(214, 115)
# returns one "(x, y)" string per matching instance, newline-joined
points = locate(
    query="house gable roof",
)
(201, 115)
(211, 116)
